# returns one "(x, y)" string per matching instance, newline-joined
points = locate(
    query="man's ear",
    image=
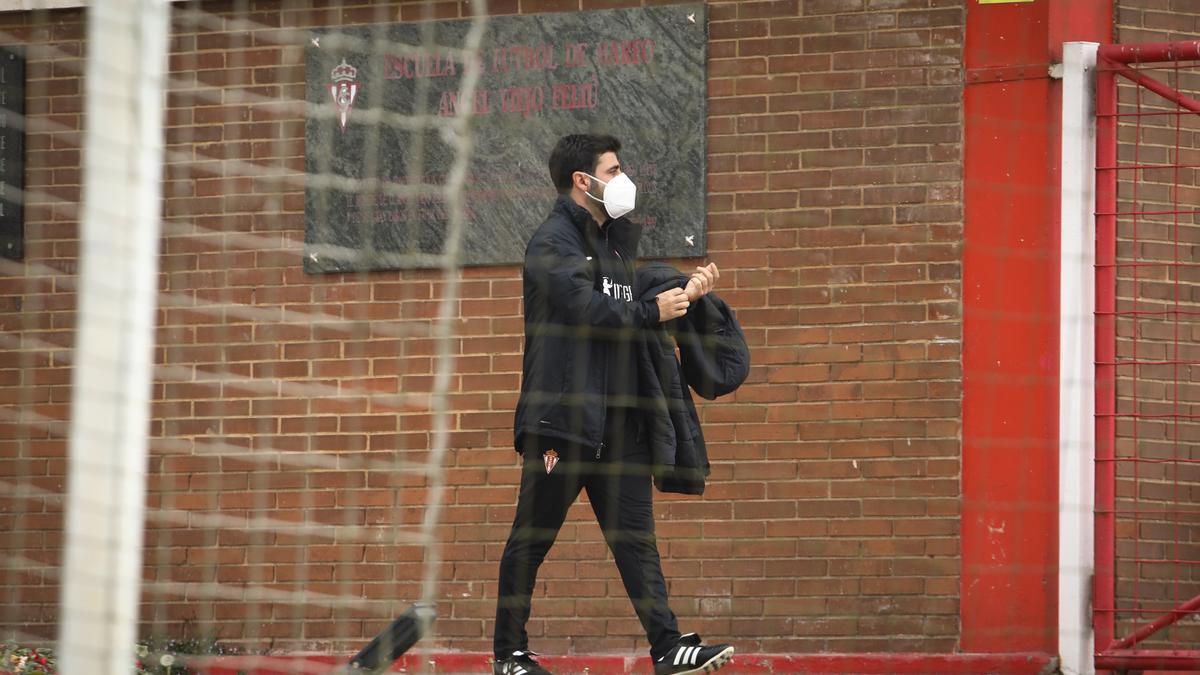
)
(580, 180)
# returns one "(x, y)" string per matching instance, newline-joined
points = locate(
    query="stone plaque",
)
(12, 153)
(638, 74)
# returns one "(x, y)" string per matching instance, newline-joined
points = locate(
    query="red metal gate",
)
(1147, 584)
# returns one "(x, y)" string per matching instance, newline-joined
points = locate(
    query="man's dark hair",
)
(578, 152)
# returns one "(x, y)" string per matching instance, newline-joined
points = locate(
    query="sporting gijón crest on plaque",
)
(343, 88)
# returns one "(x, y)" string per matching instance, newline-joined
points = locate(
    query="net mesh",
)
(301, 488)
(299, 421)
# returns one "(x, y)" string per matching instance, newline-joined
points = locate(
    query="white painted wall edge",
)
(1077, 370)
(31, 5)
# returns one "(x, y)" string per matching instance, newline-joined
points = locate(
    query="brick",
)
(743, 182)
(866, 60)
(774, 238)
(863, 216)
(898, 155)
(929, 134)
(834, 43)
(832, 6)
(803, 25)
(770, 84)
(863, 294)
(798, 63)
(829, 81)
(883, 273)
(722, 50)
(732, 30)
(768, 8)
(831, 158)
(798, 102)
(799, 141)
(895, 195)
(930, 96)
(768, 124)
(723, 144)
(863, 176)
(931, 18)
(738, 106)
(831, 120)
(864, 137)
(737, 67)
(767, 201)
(904, 77)
(769, 162)
(767, 46)
(797, 180)
(843, 197)
(846, 23)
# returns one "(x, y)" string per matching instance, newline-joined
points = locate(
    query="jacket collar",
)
(618, 229)
(582, 219)
(576, 213)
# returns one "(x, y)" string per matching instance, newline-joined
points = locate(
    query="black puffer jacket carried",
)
(713, 361)
(581, 313)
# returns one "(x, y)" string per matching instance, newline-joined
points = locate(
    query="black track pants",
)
(619, 488)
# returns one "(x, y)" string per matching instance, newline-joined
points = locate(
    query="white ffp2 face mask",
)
(620, 195)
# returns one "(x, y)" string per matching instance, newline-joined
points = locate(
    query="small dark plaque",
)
(638, 74)
(12, 153)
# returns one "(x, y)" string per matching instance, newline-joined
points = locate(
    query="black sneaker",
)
(689, 656)
(520, 663)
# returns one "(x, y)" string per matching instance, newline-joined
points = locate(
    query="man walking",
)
(578, 422)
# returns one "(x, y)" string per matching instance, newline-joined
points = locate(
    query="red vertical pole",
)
(1010, 334)
(1106, 353)
(1011, 264)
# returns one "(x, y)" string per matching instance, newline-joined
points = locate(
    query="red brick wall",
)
(831, 518)
(38, 305)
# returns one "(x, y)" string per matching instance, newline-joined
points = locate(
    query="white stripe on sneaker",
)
(679, 655)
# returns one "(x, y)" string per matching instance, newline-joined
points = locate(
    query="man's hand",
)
(702, 281)
(672, 304)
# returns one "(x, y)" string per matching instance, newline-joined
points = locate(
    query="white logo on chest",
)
(618, 291)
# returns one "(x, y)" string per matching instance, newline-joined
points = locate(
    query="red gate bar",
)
(1151, 52)
(1155, 86)
(1186, 609)
(1150, 312)
(1149, 660)
(1136, 167)
(1183, 212)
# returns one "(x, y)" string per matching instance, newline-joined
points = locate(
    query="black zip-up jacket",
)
(580, 315)
(713, 361)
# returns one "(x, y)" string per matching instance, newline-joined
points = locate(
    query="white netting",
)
(298, 422)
